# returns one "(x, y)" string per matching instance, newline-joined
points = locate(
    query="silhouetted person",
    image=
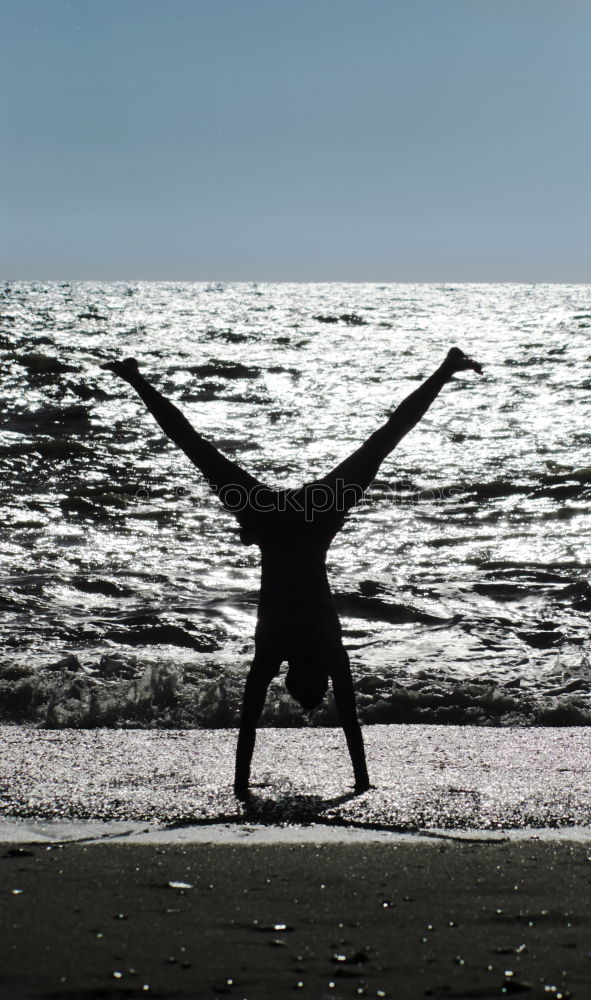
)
(297, 621)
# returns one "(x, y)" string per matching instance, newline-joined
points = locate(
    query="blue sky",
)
(354, 140)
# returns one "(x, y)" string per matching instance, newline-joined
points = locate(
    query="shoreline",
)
(58, 833)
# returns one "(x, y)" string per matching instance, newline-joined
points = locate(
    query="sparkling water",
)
(462, 580)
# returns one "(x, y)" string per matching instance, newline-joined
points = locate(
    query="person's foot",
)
(124, 369)
(460, 362)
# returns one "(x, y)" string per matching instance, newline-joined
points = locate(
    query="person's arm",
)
(344, 696)
(255, 692)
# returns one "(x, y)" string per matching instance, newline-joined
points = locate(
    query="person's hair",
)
(308, 687)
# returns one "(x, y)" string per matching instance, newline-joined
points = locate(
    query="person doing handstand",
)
(297, 621)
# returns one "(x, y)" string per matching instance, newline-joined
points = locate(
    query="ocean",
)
(462, 580)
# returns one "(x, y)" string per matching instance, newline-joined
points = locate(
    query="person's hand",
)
(242, 791)
(457, 361)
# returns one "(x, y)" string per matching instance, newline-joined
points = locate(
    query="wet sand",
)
(393, 919)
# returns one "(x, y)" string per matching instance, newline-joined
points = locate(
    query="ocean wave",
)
(372, 608)
(224, 369)
(43, 364)
(47, 447)
(574, 483)
(100, 586)
(230, 336)
(349, 319)
(119, 690)
(50, 420)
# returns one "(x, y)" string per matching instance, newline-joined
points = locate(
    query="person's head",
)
(307, 683)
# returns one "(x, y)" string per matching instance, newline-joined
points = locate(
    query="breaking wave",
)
(121, 691)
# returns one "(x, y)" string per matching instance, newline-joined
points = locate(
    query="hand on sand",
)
(241, 791)
(457, 361)
(125, 369)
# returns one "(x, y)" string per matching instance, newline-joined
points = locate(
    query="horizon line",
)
(299, 281)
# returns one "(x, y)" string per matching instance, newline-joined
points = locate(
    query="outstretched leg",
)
(352, 477)
(260, 675)
(221, 473)
(344, 696)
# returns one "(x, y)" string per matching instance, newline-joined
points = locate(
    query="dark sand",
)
(440, 919)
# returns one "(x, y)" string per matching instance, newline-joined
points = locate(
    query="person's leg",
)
(344, 696)
(221, 473)
(262, 671)
(352, 476)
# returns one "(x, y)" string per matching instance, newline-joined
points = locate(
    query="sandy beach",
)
(423, 777)
(127, 869)
(441, 919)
